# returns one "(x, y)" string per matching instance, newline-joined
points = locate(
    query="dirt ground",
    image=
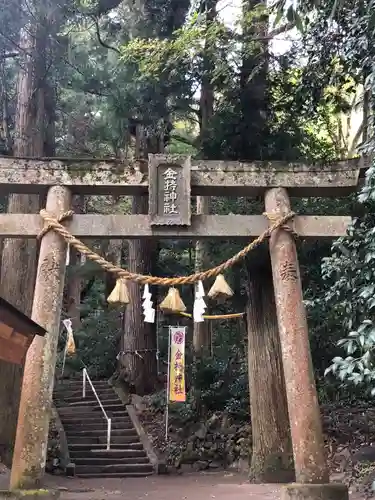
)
(218, 486)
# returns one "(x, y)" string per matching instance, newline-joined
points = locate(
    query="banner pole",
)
(64, 356)
(168, 382)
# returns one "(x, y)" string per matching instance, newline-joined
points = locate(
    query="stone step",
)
(94, 419)
(66, 403)
(114, 475)
(82, 408)
(111, 461)
(85, 413)
(71, 433)
(103, 453)
(78, 396)
(69, 383)
(114, 469)
(101, 447)
(79, 387)
(95, 440)
(78, 383)
(101, 425)
(77, 390)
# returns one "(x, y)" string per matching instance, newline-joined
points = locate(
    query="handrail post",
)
(109, 421)
(109, 428)
(84, 383)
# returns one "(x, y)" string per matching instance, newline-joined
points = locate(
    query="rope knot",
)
(284, 221)
(50, 222)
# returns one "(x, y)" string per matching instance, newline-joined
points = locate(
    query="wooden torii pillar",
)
(29, 456)
(312, 473)
(172, 219)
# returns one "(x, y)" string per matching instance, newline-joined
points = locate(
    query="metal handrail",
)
(109, 421)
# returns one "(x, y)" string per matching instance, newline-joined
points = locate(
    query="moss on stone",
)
(332, 491)
(29, 494)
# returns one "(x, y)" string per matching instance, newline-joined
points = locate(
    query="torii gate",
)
(273, 180)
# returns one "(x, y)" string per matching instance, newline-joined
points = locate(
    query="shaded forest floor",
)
(196, 486)
(218, 442)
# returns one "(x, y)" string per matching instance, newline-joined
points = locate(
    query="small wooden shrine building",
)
(17, 332)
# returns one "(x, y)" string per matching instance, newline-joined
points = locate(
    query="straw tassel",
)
(119, 294)
(220, 290)
(172, 302)
(70, 343)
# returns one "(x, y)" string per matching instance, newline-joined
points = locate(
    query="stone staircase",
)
(86, 432)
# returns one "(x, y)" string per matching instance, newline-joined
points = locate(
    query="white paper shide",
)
(148, 309)
(199, 303)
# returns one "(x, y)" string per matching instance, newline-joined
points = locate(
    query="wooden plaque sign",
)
(169, 190)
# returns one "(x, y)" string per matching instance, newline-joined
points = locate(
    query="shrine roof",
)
(15, 319)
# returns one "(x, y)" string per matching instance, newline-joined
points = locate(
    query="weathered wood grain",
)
(202, 226)
(210, 178)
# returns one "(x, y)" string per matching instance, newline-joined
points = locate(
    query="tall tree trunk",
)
(5, 137)
(50, 118)
(74, 278)
(271, 448)
(367, 109)
(18, 270)
(253, 81)
(202, 331)
(139, 366)
(139, 338)
(206, 105)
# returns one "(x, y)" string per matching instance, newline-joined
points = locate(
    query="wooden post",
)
(303, 407)
(34, 414)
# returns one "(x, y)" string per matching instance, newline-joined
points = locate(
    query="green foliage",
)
(182, 55)
(341, 50)
(350, 274)
(221, 384)
(97, 340)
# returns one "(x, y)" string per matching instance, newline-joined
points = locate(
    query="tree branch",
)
(185, 140)
(105, 6)
(282, 29)
(101, 41)
(276, 32)
(11, 41)
(8, 55)
(268, 36)
(356, 140)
